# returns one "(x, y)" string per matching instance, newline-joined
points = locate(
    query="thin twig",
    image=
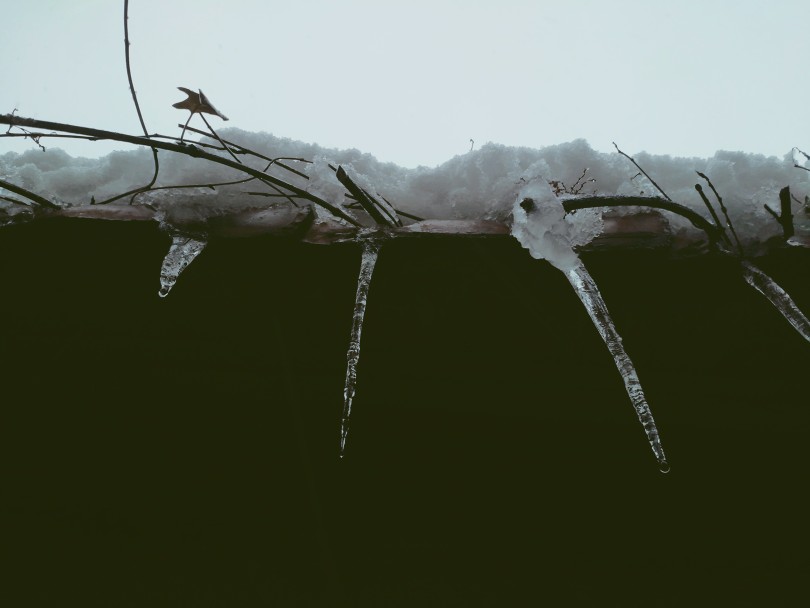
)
(632, 160)
(724, 210)
(185, 126)
(243, 150)
(36, 136)
(803, 153)
(181, 149)
(271, 162)
(227, 149)
(713, 213)
(140, 116)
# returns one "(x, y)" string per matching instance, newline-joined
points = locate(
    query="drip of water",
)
(182, 252)
(588, 293)
(371, 250)
(777, 296)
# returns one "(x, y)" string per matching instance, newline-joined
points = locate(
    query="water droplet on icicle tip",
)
(663, 466)
(181, 253)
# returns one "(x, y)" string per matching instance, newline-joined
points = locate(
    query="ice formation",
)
(485, 190)
(777, 296)
(588, 293)
(541, 226)
(181, 253)
(371, 250)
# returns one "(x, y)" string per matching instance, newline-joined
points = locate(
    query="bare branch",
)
(28, 194)
(188, 150)
(140, 116)
(632, 160)
(725, 212)
(697, 220)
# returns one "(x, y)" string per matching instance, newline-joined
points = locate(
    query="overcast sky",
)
(412, 82)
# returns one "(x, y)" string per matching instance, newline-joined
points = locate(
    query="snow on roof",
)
(481, 184)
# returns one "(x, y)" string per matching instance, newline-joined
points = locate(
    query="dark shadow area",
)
(184, 452)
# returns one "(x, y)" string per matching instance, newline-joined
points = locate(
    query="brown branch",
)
(188, 150)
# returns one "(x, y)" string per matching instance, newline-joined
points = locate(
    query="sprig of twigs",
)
(240, 149)
(278, 192)
(722, 208)
(26, 134)
(559, 187)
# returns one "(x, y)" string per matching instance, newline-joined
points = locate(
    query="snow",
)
(481, 184)
(547, 231)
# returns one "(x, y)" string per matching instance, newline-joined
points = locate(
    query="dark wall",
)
(184, 452)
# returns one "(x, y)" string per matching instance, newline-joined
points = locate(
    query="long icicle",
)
(371, 249)
(777, 296)
(588, 293)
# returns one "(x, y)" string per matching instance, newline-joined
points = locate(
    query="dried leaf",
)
(197, 103)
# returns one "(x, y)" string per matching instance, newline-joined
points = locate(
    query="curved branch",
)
(136, 191)
(188, 150)
(697, 220)
(28, 194)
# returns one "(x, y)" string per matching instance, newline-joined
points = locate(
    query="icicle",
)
(181, 253)
(588, 293)
(778, 297)
(370, 251)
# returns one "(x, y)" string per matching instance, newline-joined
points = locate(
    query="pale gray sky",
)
(412, 82)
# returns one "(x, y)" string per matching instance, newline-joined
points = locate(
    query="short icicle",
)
(371, 249)
(182, 252)
(588, 293)
(777, 296)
